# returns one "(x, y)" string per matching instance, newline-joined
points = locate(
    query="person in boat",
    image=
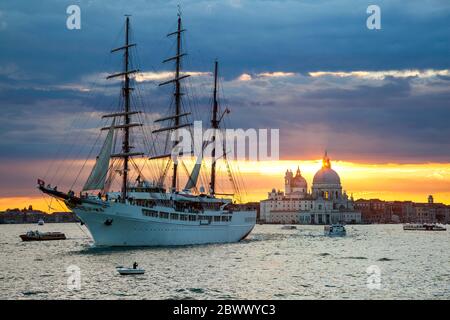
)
(135, 265)
(99, 195)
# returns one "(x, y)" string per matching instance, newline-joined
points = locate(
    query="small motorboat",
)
(42, 236)
(41, 222)
(423, 227)
(129, 271)
(335, 230)
(288, 227)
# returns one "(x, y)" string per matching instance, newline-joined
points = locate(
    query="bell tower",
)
(288, 181)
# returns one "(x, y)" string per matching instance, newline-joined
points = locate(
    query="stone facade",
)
(379, 211)
(326, 203)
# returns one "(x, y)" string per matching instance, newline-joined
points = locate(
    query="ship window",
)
(216, 218)
(149, 213)
(164, 215)
(183, 217)
(192, 218)
(174, 216)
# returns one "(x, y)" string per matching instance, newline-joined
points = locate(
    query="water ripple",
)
(269, 264)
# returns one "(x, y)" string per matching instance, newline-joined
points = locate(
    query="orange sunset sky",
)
(384, 181)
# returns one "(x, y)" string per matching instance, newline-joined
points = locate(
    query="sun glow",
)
(389, 181)
(42, 203)
(385, 181)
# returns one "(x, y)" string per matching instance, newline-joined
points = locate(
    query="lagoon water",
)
(270, 264)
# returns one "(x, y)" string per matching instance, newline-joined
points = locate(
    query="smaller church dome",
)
(298, 181)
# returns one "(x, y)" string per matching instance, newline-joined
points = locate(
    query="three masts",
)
(173, 122)
(145, 213)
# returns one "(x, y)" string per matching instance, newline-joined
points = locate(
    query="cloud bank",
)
(310, 68)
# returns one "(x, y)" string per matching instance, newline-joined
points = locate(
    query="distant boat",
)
(337, 230)
(41, 222)
(423, 227)
(42, 236)
(288, 227)
(129, 271)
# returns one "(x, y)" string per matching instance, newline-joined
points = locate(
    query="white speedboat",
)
(129, 271)
(335, 230)
(41, 222)
(288, 227)
(423, 227)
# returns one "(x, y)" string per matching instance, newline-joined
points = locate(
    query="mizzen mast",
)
(127, 124)
(215, 126)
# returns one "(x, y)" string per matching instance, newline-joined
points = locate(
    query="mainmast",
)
(215, 126)
(177, 97)
(177, 94)
(126, 94)
(126, 89)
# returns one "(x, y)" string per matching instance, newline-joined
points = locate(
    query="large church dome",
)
(326, 175)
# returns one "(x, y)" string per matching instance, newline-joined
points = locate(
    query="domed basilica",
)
(325, 204)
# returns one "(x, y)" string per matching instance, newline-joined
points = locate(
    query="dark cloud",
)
(45, 70)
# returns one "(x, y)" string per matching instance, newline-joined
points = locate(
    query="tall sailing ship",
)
(147, 213)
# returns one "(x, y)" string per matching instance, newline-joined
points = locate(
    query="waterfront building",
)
(431, 212)
(283, 207)
(14, 216)
(373, 210)
(326, 203)
(378, 211)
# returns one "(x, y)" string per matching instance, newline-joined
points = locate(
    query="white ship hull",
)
(126, 225)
